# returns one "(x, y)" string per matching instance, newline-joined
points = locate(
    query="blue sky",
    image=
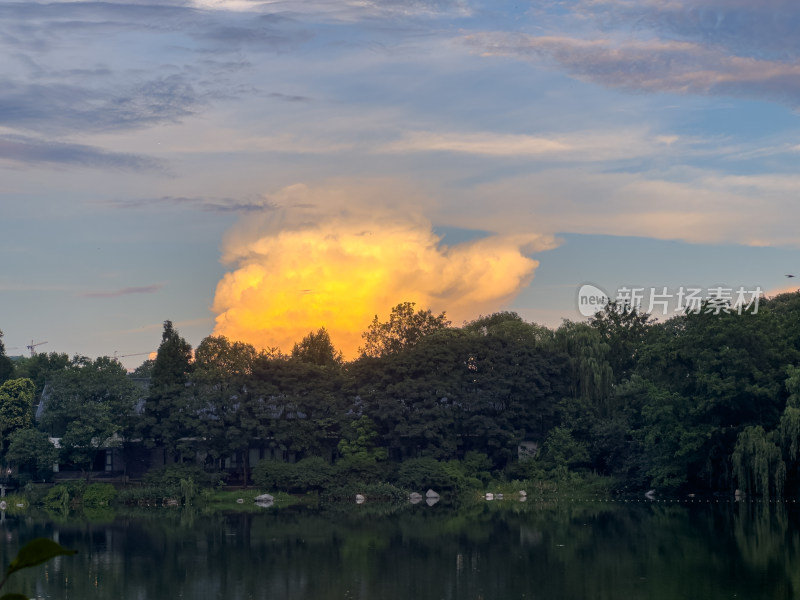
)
(260, 169)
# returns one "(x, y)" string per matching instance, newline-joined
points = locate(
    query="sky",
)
(260, 169)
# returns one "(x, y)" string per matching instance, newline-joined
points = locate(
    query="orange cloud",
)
(335, 258)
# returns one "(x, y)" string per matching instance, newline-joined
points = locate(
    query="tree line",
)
(707, 401)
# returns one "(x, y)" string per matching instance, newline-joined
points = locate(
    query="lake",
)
(704, 549)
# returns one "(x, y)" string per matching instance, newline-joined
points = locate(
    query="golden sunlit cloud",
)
(336, 258)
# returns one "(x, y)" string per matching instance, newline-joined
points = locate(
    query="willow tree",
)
(757, 462)
(592, 376)
(789, 428)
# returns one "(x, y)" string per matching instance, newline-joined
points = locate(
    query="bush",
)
(418, 474)
(271, 474)
(57, 497)
(477, 465)
(171, 476)
(99, 494)
(353, 470)
(152, 495)
(373, 492)
(312, 473)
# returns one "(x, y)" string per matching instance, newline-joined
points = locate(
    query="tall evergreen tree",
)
(169, 415)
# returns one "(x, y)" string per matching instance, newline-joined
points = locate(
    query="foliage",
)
(99, 494)
(312, 473)
(6, 366)
(33, 553)
(89, 407)
(359, 469)
(57, 497)
(700, 402)
(359, 441)
(31, 451)
(316, 348)
(41, 368)
(404, 329)
(188, 490)
(168, 416)
(624, 329)
(757, 463)
(16, 408)
(372, 491)
(563, 451)
(171, 476)
(147, 495)
(420, 474)
(144, 370)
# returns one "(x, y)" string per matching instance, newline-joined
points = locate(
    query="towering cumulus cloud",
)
(336, 258)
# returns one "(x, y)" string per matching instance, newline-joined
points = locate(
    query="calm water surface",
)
(502, 550)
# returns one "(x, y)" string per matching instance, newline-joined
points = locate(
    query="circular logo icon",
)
(591, 299)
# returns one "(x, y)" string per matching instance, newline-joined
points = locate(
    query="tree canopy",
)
(702, 401)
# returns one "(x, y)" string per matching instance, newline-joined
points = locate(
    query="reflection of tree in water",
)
(768, 540)
(490, 550)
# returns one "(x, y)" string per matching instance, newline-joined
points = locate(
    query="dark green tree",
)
(170, 417)
(221, 383)
(6, 366)
(360, 440)
(16, 408)
(41, 368)
(298, 405)
(89, 406)
(624, 330)
(757, 462)
(30, 451)
(404, 328)
(456, 391)
(729, 370)
(316, 348)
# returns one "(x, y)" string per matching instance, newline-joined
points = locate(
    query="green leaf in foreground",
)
(35, 553)
(13, 597)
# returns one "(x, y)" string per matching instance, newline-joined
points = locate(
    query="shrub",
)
(356, 469)
(477, 465)
(421, 473)
(152, 495)
(99, 494)
(373, 492)
(57, 497)
(171, 476)
(270, 474)
(312, 473)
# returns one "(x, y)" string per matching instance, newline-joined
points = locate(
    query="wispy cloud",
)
(224, 205)
(652, 66)
(765, 29)
(584, 146)
(31, 151)
(346, 10)
(289, 97)
(69, 108)
(146, 289)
